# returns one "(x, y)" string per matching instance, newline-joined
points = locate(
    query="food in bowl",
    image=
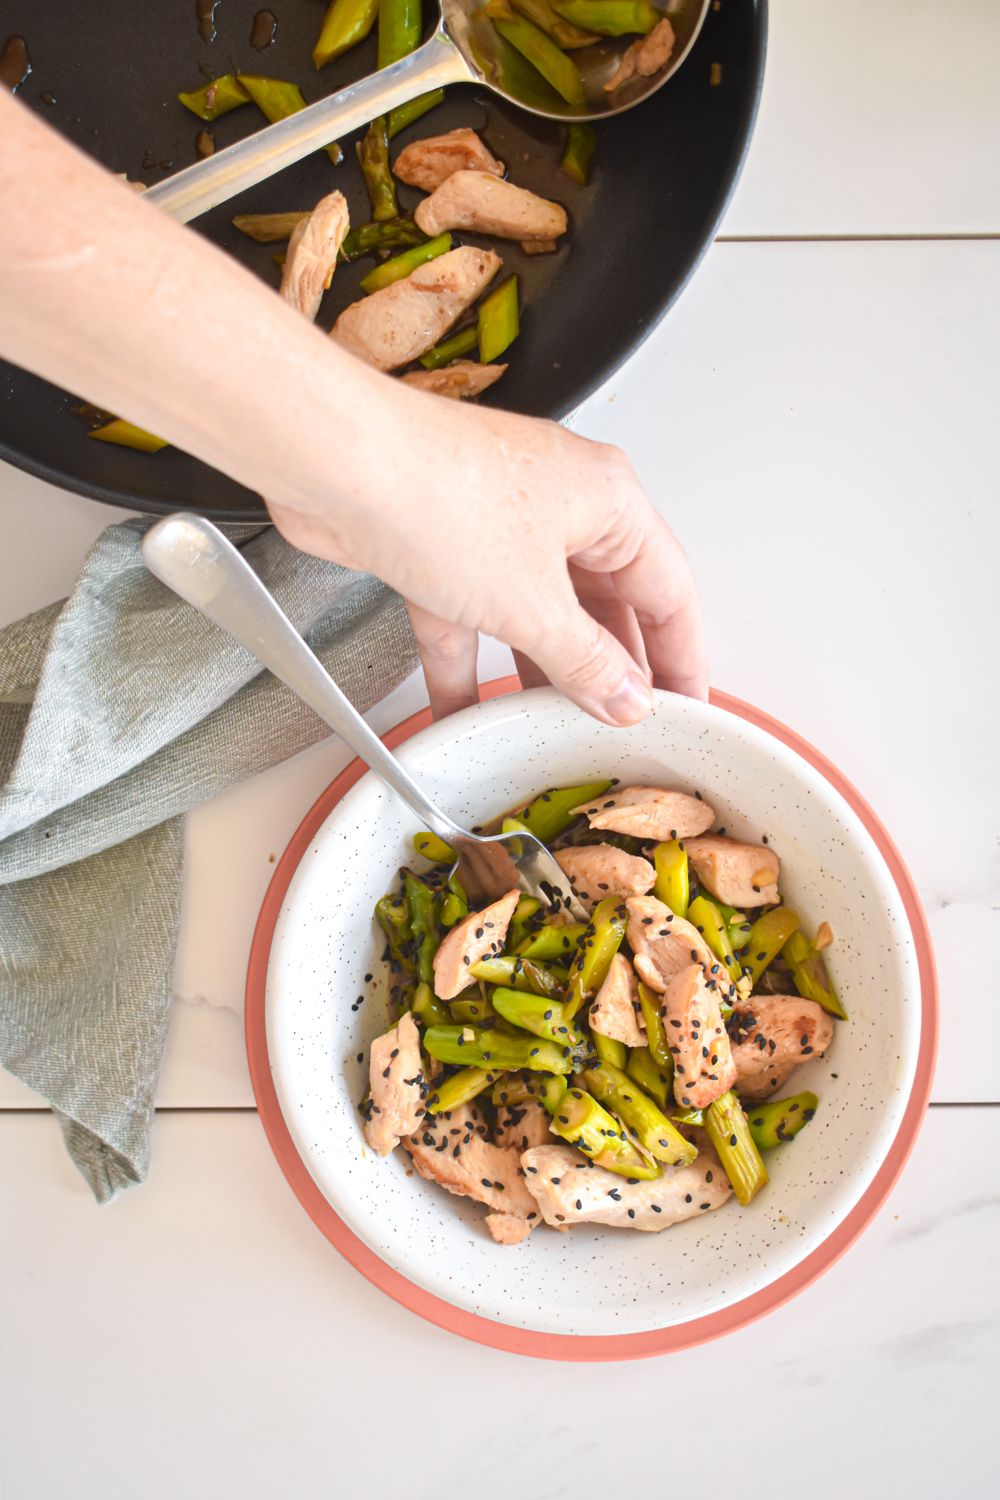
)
(620, 1072)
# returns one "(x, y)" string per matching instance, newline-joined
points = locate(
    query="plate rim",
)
(588, 1347)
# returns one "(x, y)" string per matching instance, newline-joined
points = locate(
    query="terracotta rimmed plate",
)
(305, 1169)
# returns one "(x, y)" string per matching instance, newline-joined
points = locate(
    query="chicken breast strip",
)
(477, 936)
(486, 204)
(450, 1149)
(736, 874)
(396, 1103)
(458, 381)
(649, 812)
(400, 322)
(599, 870)
(699, 1044)
(615, 1012)
(664, 944)
(426, 164)
(771, 1035)
(570, 1190)
(645, 56)
(312, 254)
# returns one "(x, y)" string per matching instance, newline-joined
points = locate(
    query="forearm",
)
(106, 296)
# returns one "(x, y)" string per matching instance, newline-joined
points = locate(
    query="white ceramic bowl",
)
(593, 1281)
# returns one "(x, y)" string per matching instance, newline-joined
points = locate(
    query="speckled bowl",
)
(591, 1284)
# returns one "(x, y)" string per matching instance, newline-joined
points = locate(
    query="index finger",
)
(659, 585)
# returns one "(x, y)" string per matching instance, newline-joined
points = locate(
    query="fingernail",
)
(631, 702)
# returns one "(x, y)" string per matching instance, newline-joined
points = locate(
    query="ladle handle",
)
(192, 557)
(207, 183)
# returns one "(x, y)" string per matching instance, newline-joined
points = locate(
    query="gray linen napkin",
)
(120, 709)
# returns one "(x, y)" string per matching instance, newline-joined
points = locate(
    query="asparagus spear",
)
(394, 234)
(126, 435)
(402, 265)
(277, 99)
(373, 157)
(707, 917)
(673, 879)
(517, 974)
(555, 67)
(454, 904)
(519, 1088)
(473, 1047)
(780, 1119)
(499, 321)
(539, 1014)
(652, 1077)
(268, 229)
(647, 1123)
(810, 974)
(216, 98)
(459, 1089)
(406, 114)
(656, 1036)
(598, 946)
(420, 900)
(552, 941)
(428, 1009)
(428, 844)
(730, 1134)
(579, 151)
(610, 17)
(585, 1124)
(689, 1117)
(545, 16)
(552, 812)
(454, 347)
(477, 1011)
(346, 23)
(527, 916)
(768, 936)
(608, 1050)
(393, 916)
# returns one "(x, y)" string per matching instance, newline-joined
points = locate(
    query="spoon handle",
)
(192, 557)
(207, 183)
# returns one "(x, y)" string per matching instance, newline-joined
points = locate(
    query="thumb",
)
(587, 663)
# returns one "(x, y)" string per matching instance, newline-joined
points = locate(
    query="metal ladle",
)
(463, 48)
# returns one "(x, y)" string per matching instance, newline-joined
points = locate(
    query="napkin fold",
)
(120, 709)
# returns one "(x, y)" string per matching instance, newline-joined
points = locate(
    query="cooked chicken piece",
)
(459, 380)
(312, 254)
(736, 874)
(646, 56)
(698, 1041)
(477, 936)
(571, 1190)
(664, 944)
(522, 1126)
(649, 812)
(599, 870)
(396, 1077)
(509, 1229)
(400, 322)
(489, 205)
(538, 247)
(426, 164)
(450, 1149)
(771, 1035)
(615, 1012)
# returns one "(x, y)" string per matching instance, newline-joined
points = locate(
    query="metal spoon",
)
(192, 557)
(464, 48)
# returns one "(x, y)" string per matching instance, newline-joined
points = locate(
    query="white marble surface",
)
(817, 421)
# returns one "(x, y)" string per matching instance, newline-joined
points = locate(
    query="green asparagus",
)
(428, 1009)
(420, 900)
(780, 1119)
(673, 878)
(707, 917)
(269, 229)
(578, 153)
(126, 435)
(610, 17)
(453, 904)
(473, 1047)
(406, 114)
(640, 1116)
(768, 936)
(428, 844)
(545, 16)
(216, 98)
(373, 158)
(277, 99)
(517, 974)
(394, 234)
(729, 1132)
(401, 266)
(393, 916)
(653, 1078)
(656, 1037)
(346, 23)
(598, 946)
(552, 941)
(552, 812)
(810, 974)
(539, 1014)
(585, 1124)
(499, 321)
(459, 1089)
(456, 346)
(609, 1050)
(520, 1088)
(538, 49)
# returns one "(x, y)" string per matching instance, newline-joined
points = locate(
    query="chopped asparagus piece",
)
(656, 1036)
(420, 900)
(609, 1050)
(517, 974)
(598, 946)
(544, 14)
(428, 1009)
(373, 158)
(552, 941)
(499, 322)
(456, 346)
(673, 879)
(538, 49)
(459, 1089)
(585, 1124)
(552, 812)
(216, 98)
(472, 1047)
(126, 435)
(707, 917)
(394, 234)
(768, 936)
(579, 150)
(729, 1133)
(653, 1078)
(780, 1120)
(406, 114)
(393, 916)
(810, 974)
(610, 17)
(646, 1122)
(539, 1014)
(277, 99)
(401, 265)
(346, 23)
(428, 844)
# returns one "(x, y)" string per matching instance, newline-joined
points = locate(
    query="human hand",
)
(488, 521)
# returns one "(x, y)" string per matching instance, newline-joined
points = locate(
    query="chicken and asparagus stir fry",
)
(435, 312)
(621, 1071)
